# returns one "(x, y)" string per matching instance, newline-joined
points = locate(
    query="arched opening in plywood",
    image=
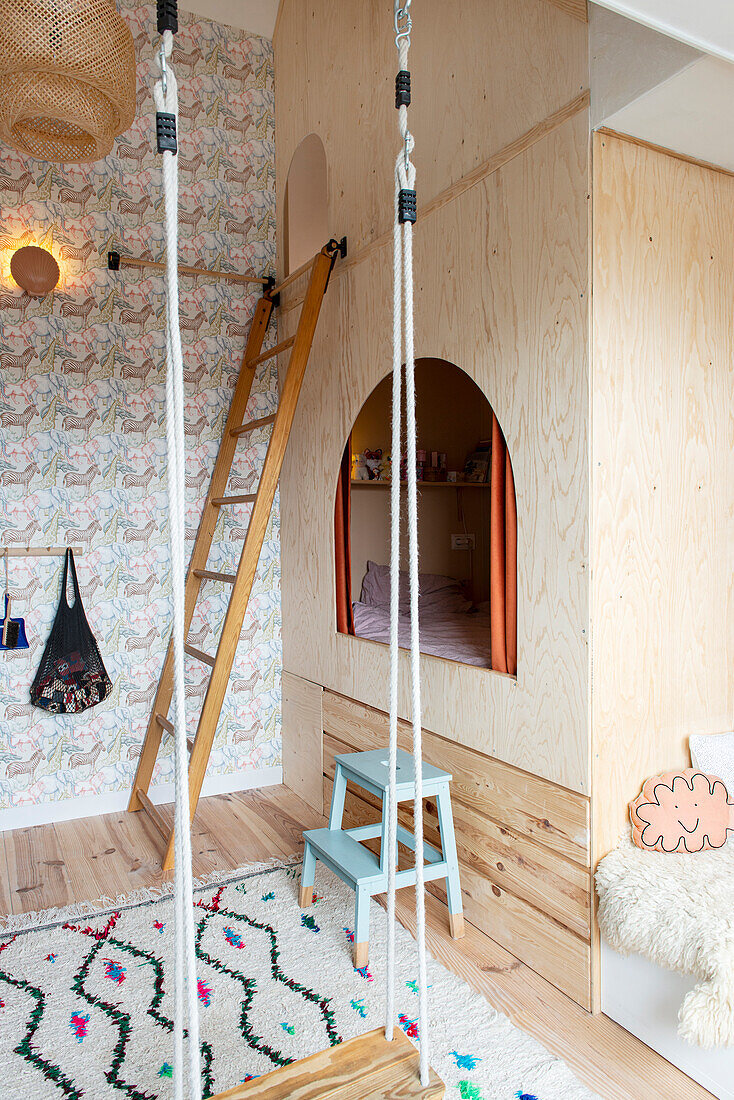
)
(467, 523)
(305, 211)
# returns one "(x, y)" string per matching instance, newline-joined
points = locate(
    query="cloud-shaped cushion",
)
(682, 811)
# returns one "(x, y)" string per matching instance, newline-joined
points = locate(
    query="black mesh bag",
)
(71, 676)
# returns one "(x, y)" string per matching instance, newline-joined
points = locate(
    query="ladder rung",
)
(283, 346)
(199, 654)
(153, 813)
(168, 727)
(248, 498)
(253, 424)
(208, 575)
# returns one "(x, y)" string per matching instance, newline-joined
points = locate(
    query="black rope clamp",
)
(407, 205)
(167, 16)
(165, 132)
(402, 89)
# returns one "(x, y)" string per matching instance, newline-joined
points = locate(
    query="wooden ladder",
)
(200, 746)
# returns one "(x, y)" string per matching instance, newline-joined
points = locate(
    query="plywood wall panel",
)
(484, 72)
(663, 467)
(501, 282)
(302, 726)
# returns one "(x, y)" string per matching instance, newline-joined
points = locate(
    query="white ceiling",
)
(255, 16)
(706, 25)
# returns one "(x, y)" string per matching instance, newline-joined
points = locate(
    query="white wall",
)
(644, 999)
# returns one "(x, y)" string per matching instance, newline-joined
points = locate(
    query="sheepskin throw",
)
(678, 911)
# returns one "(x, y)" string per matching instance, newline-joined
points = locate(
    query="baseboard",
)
(45, 813)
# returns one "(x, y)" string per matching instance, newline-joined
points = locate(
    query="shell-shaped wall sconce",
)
(35, 270)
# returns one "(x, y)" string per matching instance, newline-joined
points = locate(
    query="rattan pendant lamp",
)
(67, 78)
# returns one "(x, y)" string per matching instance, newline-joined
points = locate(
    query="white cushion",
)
(713, 753)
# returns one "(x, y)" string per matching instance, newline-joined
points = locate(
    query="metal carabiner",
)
(164, 70)
(402, 12)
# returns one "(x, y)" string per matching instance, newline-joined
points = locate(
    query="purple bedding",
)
(447, 628)
(456, 637)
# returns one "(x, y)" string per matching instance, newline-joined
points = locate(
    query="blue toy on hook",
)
(12, 634)
(12, 631)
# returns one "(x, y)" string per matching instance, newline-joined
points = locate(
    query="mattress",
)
(459, 636)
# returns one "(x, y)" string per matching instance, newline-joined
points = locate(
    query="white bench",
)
(677, 912)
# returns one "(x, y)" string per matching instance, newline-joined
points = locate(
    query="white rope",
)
(186, 1013)
(403, 325)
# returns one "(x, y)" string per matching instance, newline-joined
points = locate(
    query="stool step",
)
(345, 856)
(372, 768)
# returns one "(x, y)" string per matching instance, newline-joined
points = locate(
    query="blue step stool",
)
(340, 849)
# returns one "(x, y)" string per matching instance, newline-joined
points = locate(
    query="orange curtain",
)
(343, 548)
(502, 557)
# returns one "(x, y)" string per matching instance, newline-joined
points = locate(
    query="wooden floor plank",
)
(119, 855)
(5, 901)
(242, 839)
(37, 874)
(602, 1054)
(287, 815)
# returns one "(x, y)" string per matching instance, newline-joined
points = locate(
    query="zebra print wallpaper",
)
(82, 451)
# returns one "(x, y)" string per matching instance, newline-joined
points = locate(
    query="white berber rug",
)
(85, 1004)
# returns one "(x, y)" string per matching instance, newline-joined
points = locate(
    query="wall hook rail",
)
(38, 551)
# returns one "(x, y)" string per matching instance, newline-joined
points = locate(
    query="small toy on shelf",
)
(360, 470)
(373, 460)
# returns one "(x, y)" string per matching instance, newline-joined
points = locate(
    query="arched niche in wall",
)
(305, 228)
(467, 521)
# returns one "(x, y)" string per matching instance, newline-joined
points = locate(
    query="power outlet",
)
(463, 542)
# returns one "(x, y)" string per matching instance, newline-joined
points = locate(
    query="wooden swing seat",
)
(365, 1068)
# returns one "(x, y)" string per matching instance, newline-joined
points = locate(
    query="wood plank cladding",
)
(523, 844)
(525, 803)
